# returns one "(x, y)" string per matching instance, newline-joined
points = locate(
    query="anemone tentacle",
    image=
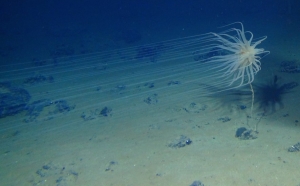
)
(241, 60)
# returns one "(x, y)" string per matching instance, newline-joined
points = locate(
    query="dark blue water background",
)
(34, 21)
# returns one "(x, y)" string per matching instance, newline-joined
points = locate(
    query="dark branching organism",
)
(269, 96)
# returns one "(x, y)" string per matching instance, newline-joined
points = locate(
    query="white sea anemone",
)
(241, 59)
(176, 70)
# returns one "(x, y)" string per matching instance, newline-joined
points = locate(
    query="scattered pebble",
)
(61, 174)
(151, 99)
(182, 141)
(245, 134)
(13, 99)
(242, 107)
(111, 165)
(173, 83)
(195, 108)
(149, 85)
(294, 148)
(197, 183)
(37, 107)
(225, 119)
(106, 111)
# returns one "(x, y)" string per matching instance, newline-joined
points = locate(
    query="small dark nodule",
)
(188, 141)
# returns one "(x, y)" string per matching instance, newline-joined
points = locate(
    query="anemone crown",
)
(241, 60)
